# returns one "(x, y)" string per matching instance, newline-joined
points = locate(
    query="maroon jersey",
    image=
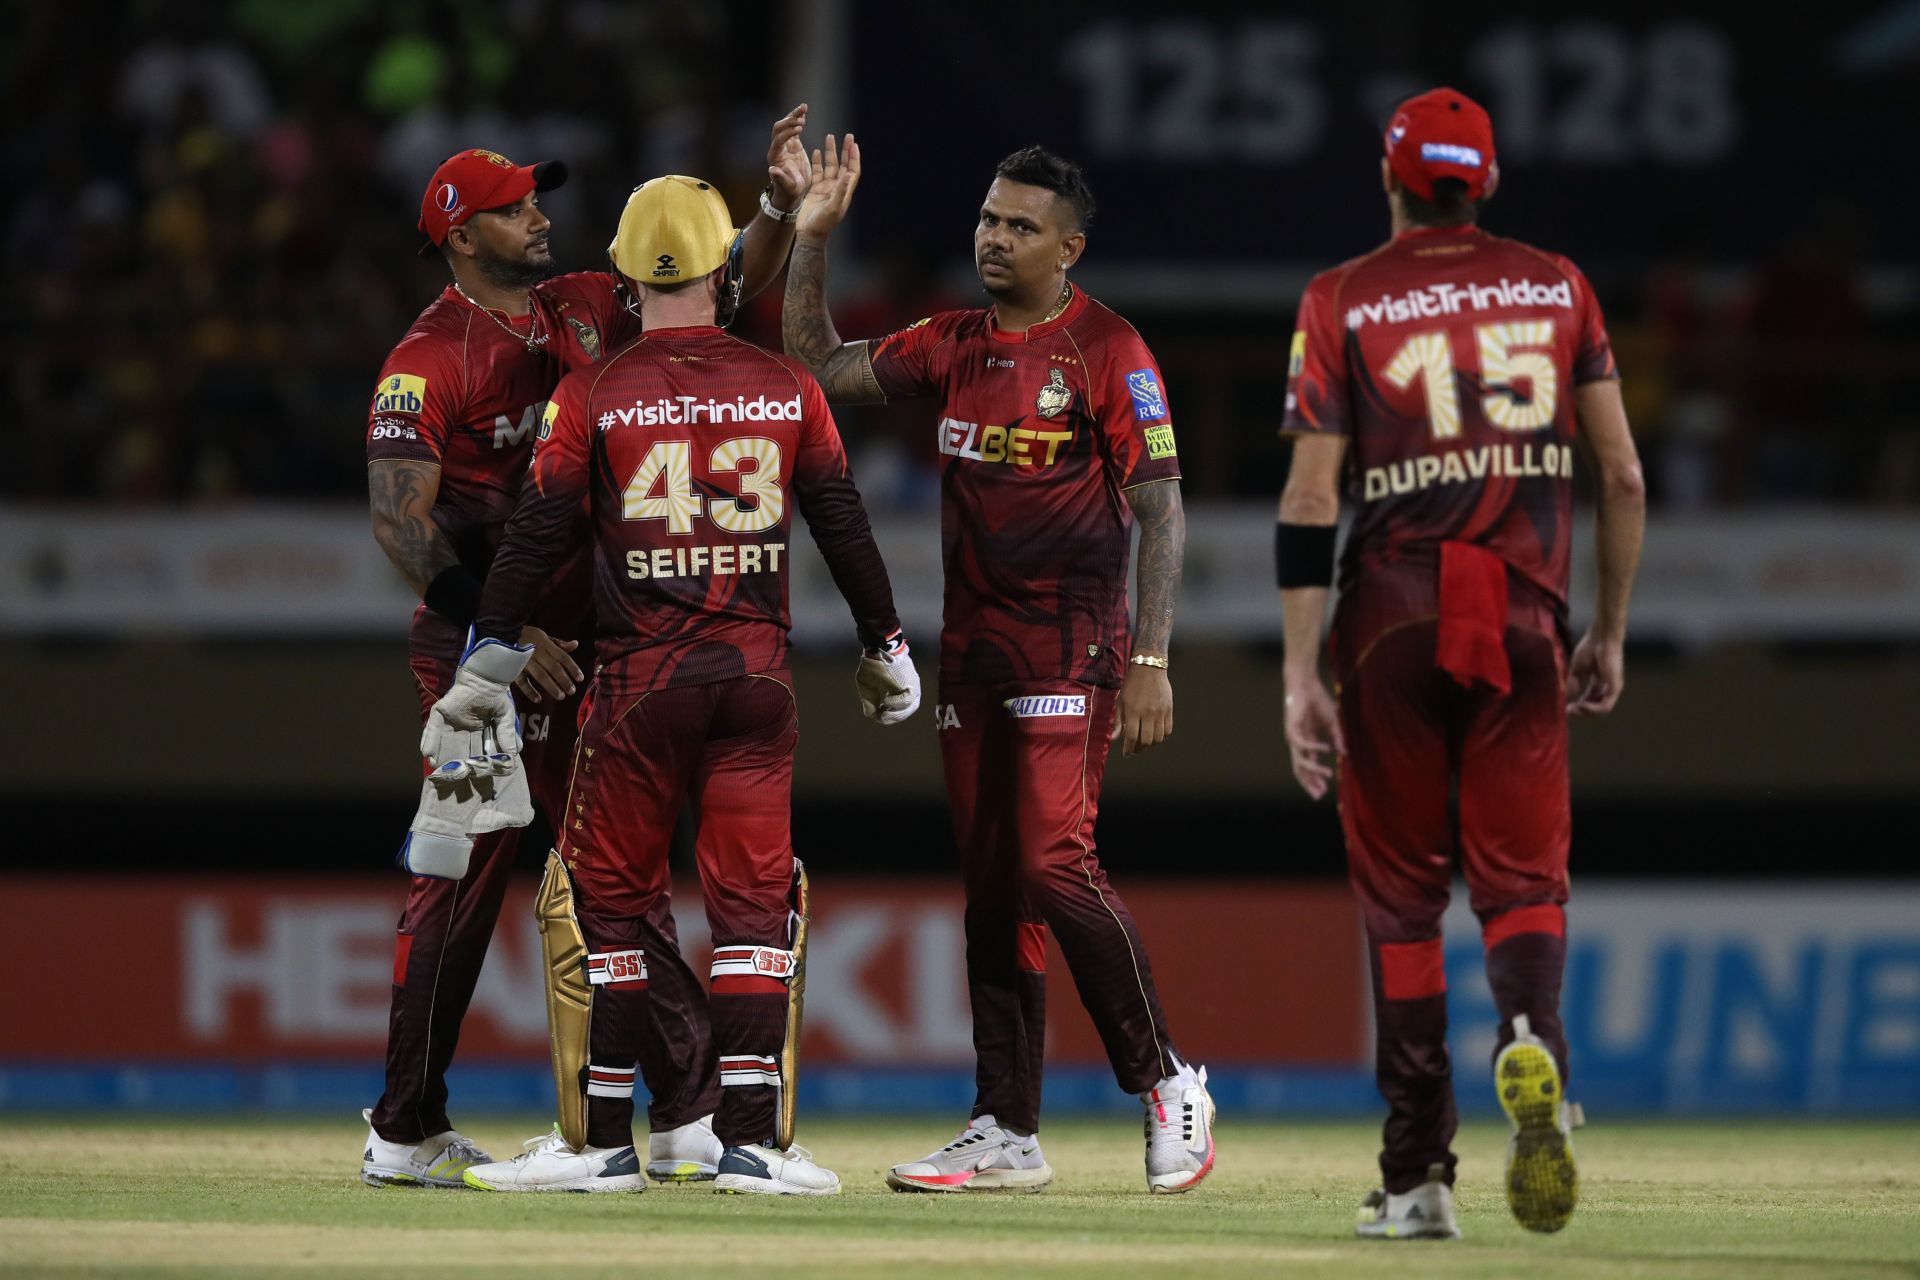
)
(1448, 358)
(692, 449)
(465, 394)
(1041, 432)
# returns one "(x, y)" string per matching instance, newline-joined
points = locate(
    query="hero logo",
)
(506, 435)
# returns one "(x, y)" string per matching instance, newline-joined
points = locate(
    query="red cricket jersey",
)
(465, 394)
(1041, 433)
(692, 450)
(1448, 358)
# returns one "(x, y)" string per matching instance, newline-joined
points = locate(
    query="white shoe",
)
(1543, 1183)
(549, 1164)
(761, 1170)
(984, 1157)
(1424, 1213)
(1179, 1131)
(688, 1154)
(438, 1162)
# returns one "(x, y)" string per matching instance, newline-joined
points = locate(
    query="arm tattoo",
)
(845, 370)
(401, 495)
(1163, 545)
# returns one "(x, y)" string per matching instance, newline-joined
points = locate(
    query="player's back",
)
(1449, 358)
(698, 444)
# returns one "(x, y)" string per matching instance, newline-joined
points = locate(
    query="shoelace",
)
(535, 1146)
(462, 1149)
(967, 1138)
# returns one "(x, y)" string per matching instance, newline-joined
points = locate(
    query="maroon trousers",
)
(441, 944)
(1024, 763)
(728, 748)
(1435, 769)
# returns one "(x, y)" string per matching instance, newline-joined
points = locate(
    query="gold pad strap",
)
(569, 997)
(796, 1006)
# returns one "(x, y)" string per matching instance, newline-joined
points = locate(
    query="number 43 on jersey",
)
(662, 488)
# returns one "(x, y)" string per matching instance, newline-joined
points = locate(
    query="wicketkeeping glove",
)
(463, 796)
(886, 681)
(481, 699)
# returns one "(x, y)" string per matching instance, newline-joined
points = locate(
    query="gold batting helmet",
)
(674, 229)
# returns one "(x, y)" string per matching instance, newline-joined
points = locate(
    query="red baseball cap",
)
(1442, 133)
(474, 180)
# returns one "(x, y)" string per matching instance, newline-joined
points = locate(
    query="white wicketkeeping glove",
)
(481, 700)
(464, 796)
(887, 683)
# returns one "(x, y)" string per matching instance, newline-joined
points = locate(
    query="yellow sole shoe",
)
(1543, 1184)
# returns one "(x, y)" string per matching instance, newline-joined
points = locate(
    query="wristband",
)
(778, 215)
(455, 594)
(1149, 660)
(1303, 554)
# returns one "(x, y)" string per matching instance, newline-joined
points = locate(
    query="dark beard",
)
(506, 274)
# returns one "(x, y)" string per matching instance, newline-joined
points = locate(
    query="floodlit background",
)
(209, 763)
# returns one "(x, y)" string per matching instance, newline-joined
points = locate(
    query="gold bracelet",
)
(1148, 660)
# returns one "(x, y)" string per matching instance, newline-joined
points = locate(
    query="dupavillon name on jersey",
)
(1022, 446)
(1515, 461)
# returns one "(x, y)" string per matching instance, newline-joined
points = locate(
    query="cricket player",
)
(692, 452)
(449, 434)
(1056, 438)
(1444, 380)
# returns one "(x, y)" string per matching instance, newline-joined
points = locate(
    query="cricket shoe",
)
(764, 1170)
(1542, 1183)
(438, 1162)
(690, 1153)
(1179, 1131)
(1424, 1213)
(984, 1157)
(549, 1164)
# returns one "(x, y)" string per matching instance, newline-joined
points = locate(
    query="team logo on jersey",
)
(1160, 442)
(1054, 397)
(493, 157)
(546, 420)
(400, 393)
(588, 335)
(1297, 357)
(1148, 403)
(1047, 705)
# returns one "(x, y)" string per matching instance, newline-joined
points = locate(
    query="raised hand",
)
(787, 167)
(836, 172)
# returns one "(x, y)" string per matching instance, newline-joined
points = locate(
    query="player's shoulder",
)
(1530, 253)
(941, 326)
(1328, 285)
(593, 288)
(439, 330)
(1098, 330)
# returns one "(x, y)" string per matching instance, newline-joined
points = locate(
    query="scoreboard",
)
(1221, 137)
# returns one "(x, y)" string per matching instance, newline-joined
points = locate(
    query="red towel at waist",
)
(1473, 616)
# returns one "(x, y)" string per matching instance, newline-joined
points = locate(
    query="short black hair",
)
(1038, 167)
(1450, 206)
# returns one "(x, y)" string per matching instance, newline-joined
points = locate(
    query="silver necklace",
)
(532, 337)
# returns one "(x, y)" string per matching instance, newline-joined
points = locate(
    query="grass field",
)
(229, 1198)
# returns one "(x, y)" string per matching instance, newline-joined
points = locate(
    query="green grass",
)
(252, 1197)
